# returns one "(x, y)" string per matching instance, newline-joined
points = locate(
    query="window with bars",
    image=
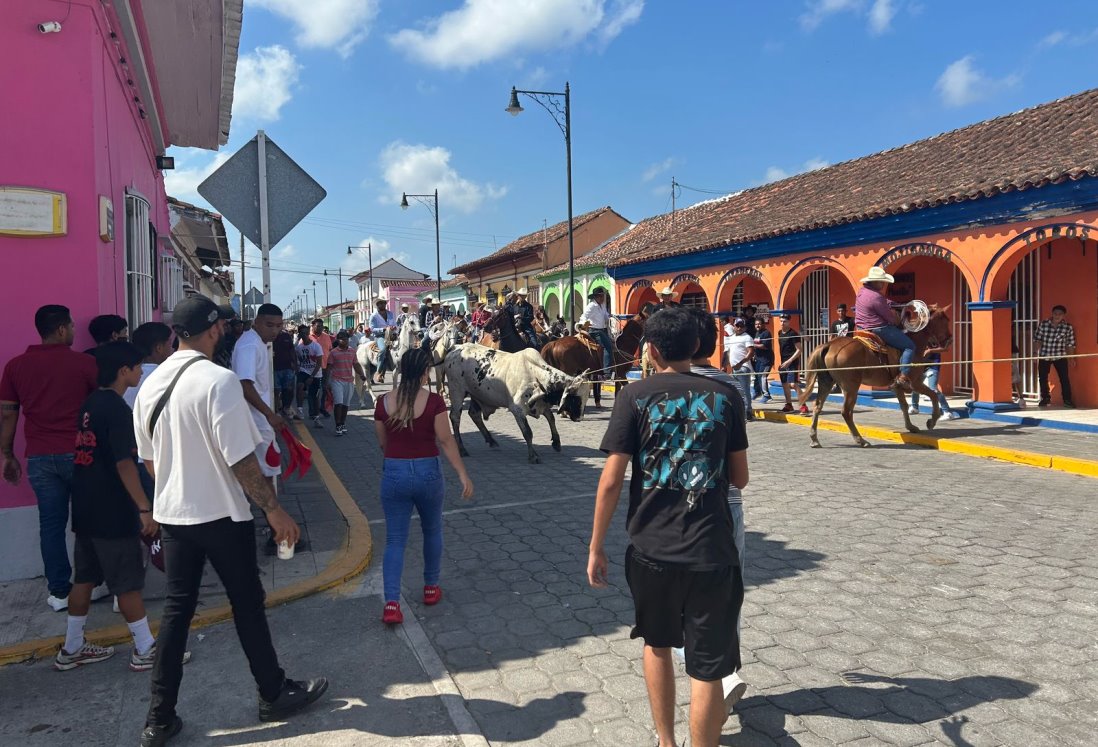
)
(140, 281)
(171, 288)
(696, 300)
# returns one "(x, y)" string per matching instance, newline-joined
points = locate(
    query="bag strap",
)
(168, 393)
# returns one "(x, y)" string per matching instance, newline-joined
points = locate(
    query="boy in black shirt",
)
(686, 439)
(109, 512)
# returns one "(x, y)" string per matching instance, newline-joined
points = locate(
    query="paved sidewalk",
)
(896, 595)
(24, 615)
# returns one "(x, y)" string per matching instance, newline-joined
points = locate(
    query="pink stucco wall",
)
(72, 127)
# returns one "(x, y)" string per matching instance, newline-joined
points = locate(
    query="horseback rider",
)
(597, 319)
(667, 299)
(523, 313)
(874, 313)
(382, 324)
(404, 313)
(479, 318)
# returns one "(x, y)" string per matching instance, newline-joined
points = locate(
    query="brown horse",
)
(579, 354)
(850, 363)
(501, 330)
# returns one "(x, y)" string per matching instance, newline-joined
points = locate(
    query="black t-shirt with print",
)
(843, 327)
(764, 346)
(679, 429)
(787, 343)
(101, 506)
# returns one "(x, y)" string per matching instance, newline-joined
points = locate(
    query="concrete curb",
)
(354, 558)
(1071, 465)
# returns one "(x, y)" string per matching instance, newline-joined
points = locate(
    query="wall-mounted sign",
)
(106, 219)
(25, 211)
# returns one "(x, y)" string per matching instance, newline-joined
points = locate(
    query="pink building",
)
(103, 89)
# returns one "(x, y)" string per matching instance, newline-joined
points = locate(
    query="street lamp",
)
(423, 200)
(550, 101)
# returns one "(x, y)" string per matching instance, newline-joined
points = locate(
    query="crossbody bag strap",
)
(168, 393)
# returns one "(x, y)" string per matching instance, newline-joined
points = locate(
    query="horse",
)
(406, 339)
(442, 337)
(580, 354)
(509, 339)
(849, 362)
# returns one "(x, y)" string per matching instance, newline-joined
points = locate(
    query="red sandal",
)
(432, 595)
(392, 614)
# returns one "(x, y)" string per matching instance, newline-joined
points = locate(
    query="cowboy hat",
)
(427, 299)
(522, 292)
(668, 292)
(877, 275)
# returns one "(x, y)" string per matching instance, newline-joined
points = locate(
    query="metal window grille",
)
(814, 301)
(1025, 289)
(695, 300)
(737, 300)
(962, 336)
(139, 266)
(171, 287)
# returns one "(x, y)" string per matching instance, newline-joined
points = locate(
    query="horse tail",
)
(815, 365)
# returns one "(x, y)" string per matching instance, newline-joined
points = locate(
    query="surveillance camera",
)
(49, 27)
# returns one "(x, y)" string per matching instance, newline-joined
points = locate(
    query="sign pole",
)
(264, 242)
(242, 307)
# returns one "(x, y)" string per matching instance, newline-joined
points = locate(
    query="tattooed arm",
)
(260, 489)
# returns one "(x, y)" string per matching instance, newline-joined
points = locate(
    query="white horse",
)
(407, 338)
(442, 337)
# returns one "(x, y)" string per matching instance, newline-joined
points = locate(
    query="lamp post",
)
(423, 199)
(550, 102)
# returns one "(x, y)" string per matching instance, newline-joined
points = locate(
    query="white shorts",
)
(341, 392)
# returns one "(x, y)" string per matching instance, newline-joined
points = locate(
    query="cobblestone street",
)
(894, 595)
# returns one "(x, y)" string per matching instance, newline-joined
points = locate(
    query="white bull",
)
(520, 382)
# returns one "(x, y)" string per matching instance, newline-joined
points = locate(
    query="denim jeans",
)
(741, 377)
(230, 547)
(930, 378)
(408, 484)
(382, 358)
(894, 337)
(762, 373)
(50, 477)
(602, 337)
(1061, 365)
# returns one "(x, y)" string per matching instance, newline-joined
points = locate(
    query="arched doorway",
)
(815, 286)
(690, 293)
(639, 293)
(551, 301)
(740, 287)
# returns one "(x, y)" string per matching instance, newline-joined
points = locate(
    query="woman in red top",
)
(411, 425)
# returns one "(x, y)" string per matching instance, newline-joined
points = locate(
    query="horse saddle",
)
(589, 342)
(872, 341)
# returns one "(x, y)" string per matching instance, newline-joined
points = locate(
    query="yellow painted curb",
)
(1071, 465)
(352, 560)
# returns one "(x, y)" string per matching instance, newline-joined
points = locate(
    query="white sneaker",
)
(144, 662)
(734, 688)
(950, 415)
(99, 592)
(913, 410)
(1022, 404)
(57, 604)
(89, 653)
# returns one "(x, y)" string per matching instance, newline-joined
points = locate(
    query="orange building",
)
(998, 220)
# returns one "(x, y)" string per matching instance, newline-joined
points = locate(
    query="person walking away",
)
(154, 340)
(933, 356)
(763, 360)
(1055, 338)
(381, 323)
(733, 687)
(321, 337)
(196, 433)
(789, 350)
(285, 374)
(110, 510)
(682, 566)
(309, 356)
(599, 319)
(727, 331)
(344, 365)
(873, 312)
(223, 356)
(843, 326)
(107, 328)
(412, 425)
(741, 354)
(48, 384)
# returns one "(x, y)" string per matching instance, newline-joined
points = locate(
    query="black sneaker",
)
(1044, 403)
(295, 695)
(154, 736)
(1069, 405)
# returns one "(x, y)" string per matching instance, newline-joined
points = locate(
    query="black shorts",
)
(790, 377)
(697, 610)
(117, 561)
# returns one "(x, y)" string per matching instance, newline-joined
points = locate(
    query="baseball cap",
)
(739, 322)
(196, 314)
(785, 317)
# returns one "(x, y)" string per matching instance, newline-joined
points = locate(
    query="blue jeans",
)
(382, 346)
(894, 337)
(602, 337)
(930, 378)
(408, 484)
(762, 373)
(741, 377)
(50, 478)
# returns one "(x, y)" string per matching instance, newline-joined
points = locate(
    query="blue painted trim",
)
(1009, 207)
(989, 305)
(779, 312)
(992, 406)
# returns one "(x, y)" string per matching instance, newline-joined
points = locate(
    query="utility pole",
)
(242, 307)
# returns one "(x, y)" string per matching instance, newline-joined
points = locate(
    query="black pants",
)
(230, 547)
(1061, 366)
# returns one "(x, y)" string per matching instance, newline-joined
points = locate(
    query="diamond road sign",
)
(253, 297)
(233, 190)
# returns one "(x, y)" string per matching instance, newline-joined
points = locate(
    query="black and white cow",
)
(520, 382)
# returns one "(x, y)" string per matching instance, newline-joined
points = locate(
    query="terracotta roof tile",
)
(1046, 144)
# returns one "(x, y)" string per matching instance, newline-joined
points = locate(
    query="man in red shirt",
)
(49, 383)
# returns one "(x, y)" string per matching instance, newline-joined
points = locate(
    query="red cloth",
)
(417, 441)
(50, 383)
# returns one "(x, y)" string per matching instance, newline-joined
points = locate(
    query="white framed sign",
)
(26, 211)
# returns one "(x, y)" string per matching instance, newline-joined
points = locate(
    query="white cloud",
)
(1051, 40)
(485, 30)
(815, 164)
(422, 168)
(264, 83)
(963, 83)
(820, 10)
(880, 16)
(656, 169)
(284, 252)
(776, 173)
(192, 168)
(326, 24)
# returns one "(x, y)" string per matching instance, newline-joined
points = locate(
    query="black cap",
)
(785, 317)
(196, 314)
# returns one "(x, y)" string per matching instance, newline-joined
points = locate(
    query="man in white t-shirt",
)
(740, 347)
(197, 436)
(252, 365)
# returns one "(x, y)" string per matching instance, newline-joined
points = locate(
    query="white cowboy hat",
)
(668, 292)
(877, 275)
(404, 306)
(522, 292)
(427, 299)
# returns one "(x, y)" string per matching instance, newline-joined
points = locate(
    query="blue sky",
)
(375, 97)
